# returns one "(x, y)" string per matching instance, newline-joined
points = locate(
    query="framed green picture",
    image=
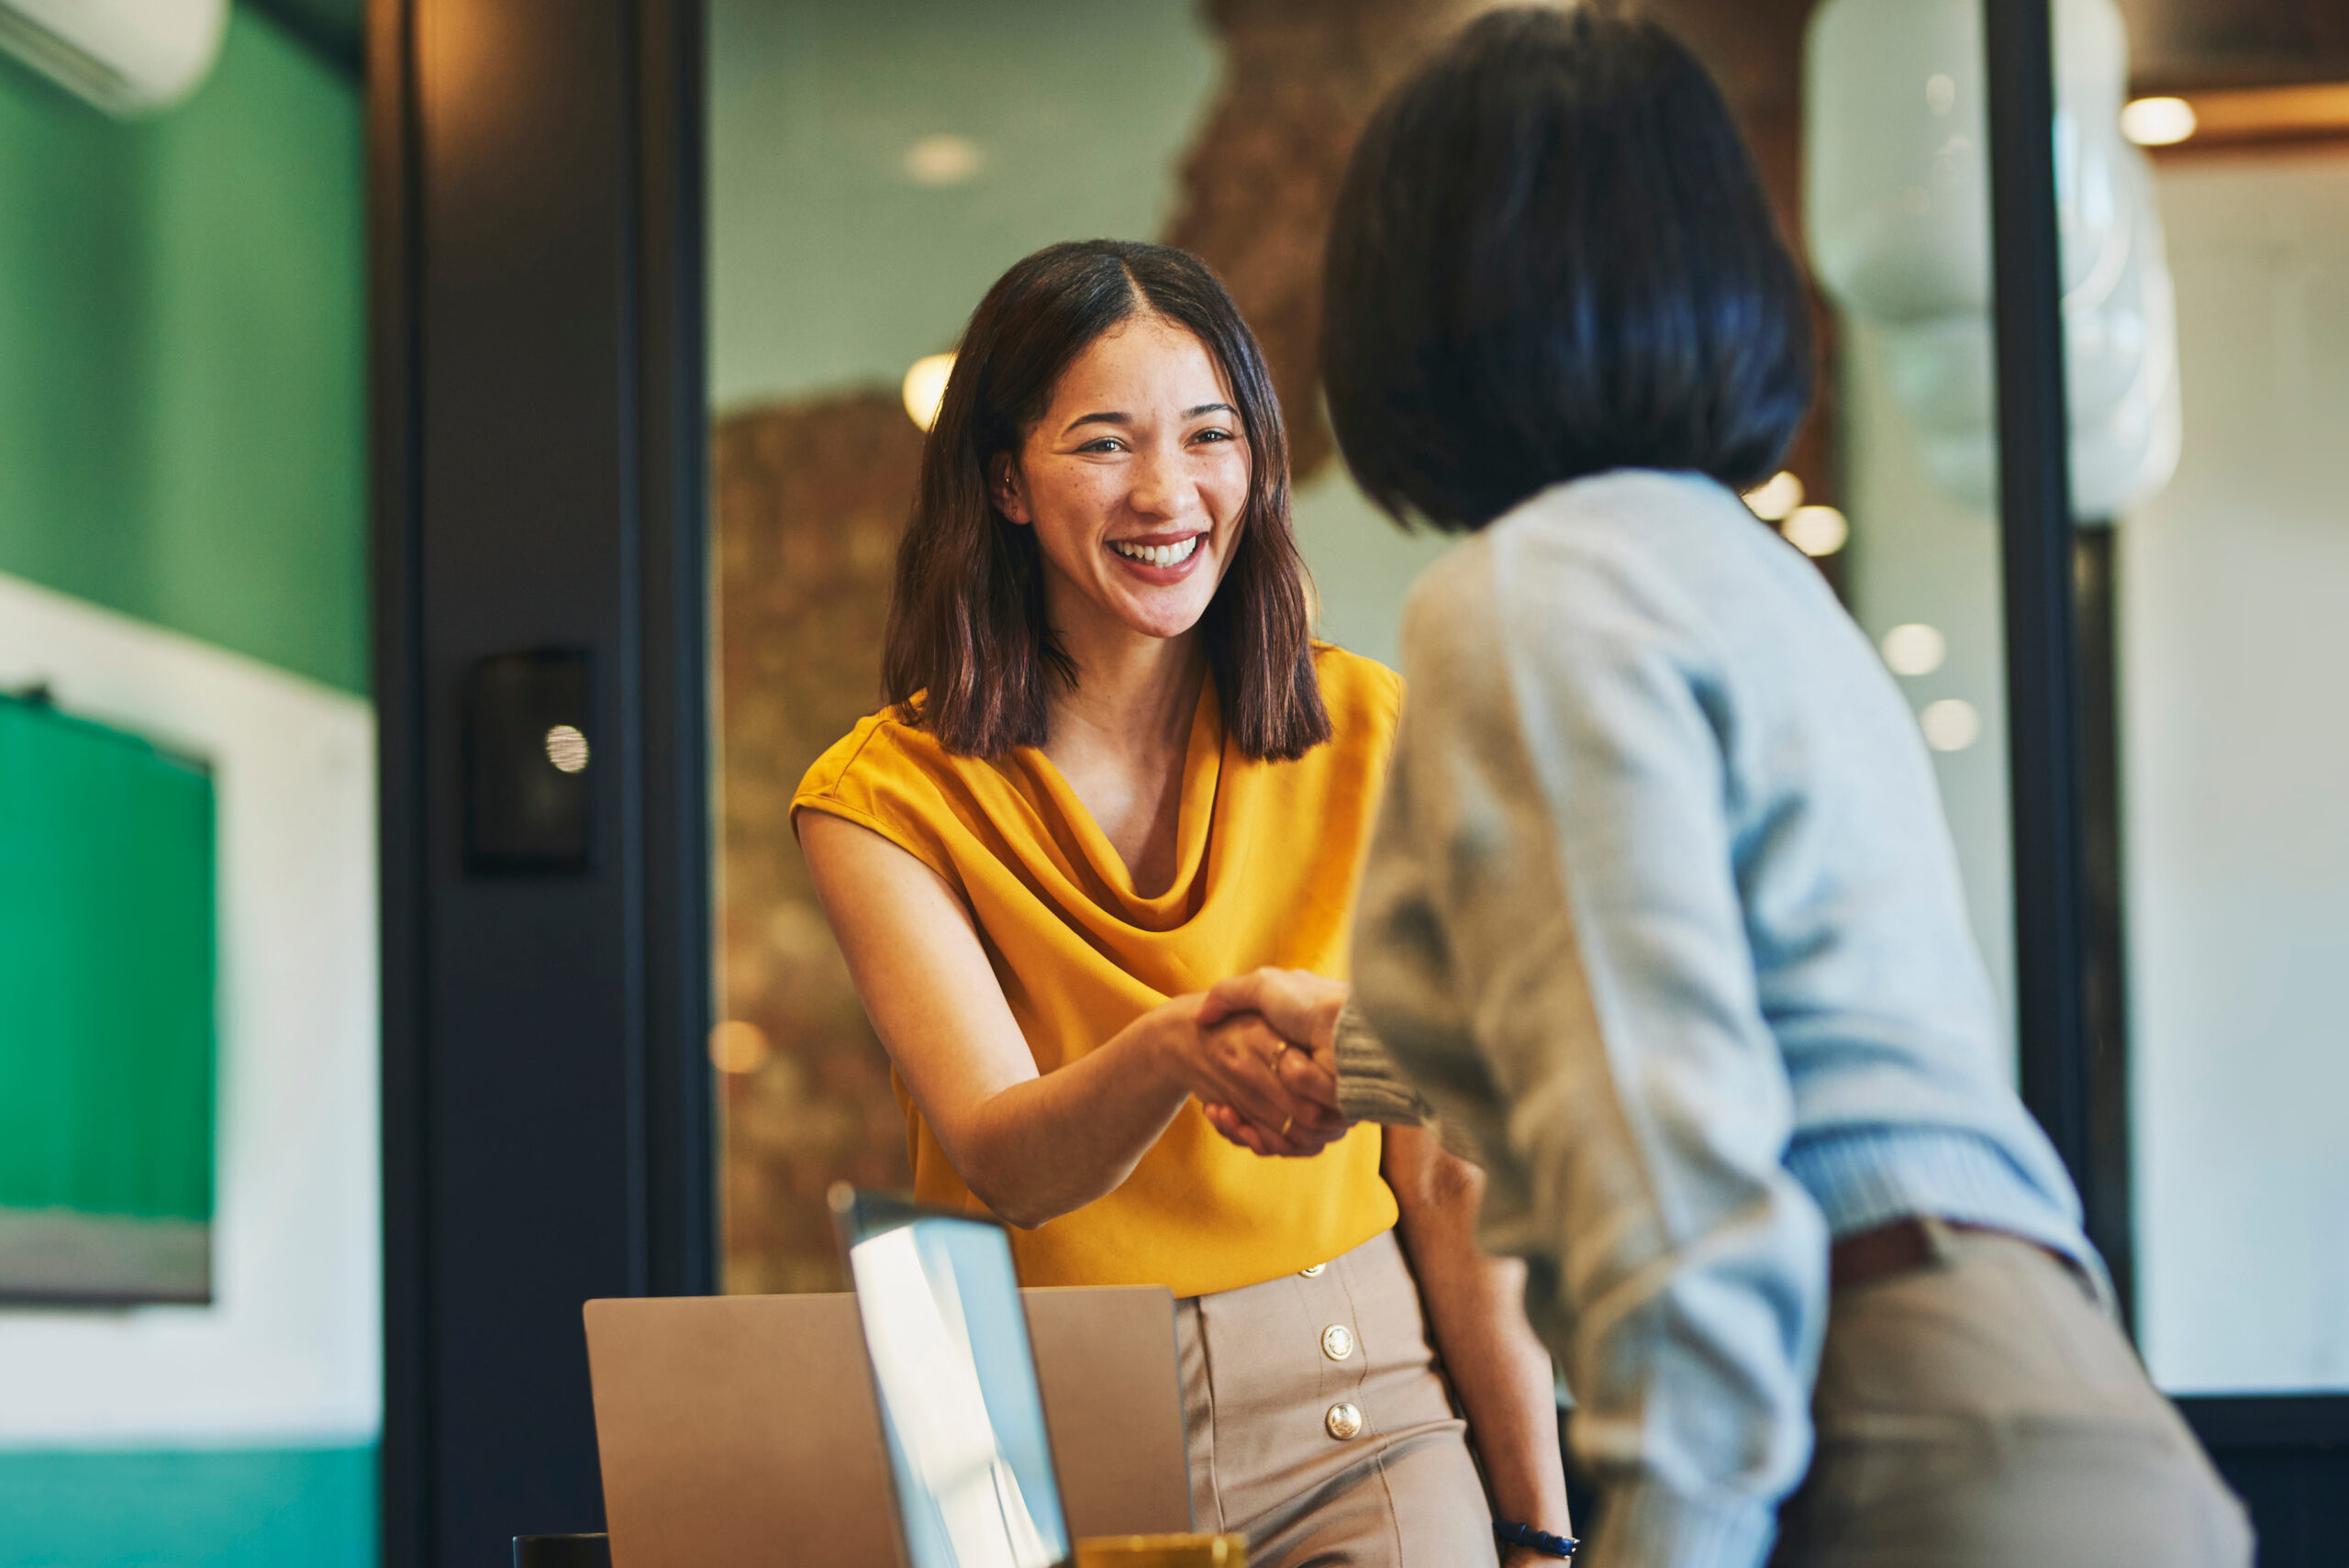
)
(108, 1017)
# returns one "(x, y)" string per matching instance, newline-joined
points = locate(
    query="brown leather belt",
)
(1896, 1248)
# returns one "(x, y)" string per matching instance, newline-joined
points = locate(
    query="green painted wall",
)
(304, 1507)
(182, 356)
(830, 265)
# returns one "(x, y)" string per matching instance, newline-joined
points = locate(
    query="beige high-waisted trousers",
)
(1984, 1411)
(1318, 1426)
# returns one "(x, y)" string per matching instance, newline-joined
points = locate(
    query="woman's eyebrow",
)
(1109, 418)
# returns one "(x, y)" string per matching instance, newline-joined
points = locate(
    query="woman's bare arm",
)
(1030, 1146)
(1476, 1315)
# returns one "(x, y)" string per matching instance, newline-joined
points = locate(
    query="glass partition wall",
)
(2225, 591)
(2152, 783)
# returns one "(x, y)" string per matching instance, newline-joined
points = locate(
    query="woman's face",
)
(1134, 481)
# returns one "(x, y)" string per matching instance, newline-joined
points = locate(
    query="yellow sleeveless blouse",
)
(1269, 855)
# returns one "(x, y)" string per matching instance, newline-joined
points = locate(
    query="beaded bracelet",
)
(1512, 1533)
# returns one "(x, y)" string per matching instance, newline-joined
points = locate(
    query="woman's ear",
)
(1003, 482)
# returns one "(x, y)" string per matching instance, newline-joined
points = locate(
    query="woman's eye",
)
(1106, 444)
(1212, 436)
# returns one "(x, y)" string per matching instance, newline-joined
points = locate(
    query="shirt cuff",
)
(1370, 1087)
(1644, 1524)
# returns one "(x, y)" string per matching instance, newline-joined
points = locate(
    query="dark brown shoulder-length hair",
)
(967, 632)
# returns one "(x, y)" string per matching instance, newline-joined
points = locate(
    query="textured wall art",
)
(811, 500)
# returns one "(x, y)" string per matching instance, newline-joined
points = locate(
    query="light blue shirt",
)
(1662, 916)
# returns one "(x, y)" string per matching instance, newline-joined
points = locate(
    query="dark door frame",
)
(534, 169)
(2287, 1454)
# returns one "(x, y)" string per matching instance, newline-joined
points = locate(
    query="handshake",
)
(1266, 1063)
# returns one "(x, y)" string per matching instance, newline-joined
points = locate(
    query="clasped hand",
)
(1274, 1034)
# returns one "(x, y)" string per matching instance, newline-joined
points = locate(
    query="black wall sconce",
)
(529, 763)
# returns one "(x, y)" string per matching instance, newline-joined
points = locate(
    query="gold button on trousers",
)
(1318, 1426)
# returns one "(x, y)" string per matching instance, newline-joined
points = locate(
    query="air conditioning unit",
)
(129, 57)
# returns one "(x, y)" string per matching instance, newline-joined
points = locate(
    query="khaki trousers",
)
(1261, 1377)
(1984, 1410)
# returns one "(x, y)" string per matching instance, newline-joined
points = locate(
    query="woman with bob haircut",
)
(1113, 767)
(1662, 913)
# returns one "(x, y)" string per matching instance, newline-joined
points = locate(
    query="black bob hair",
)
(1552, 257)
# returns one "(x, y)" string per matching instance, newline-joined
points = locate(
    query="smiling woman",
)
(1115, 767)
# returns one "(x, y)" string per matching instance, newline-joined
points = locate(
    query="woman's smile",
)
(1164, 559)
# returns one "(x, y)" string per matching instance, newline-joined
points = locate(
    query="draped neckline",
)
(1111, 879)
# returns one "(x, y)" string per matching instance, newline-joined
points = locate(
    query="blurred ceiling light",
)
(944, 161)
(738, 1046)
(2157, 122)
(1950, 725)
(926, 387)
(1776, 497)
(1915, 648)
(567, 749)
(1816, 531)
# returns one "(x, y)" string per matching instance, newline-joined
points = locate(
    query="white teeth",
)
(1158, 554)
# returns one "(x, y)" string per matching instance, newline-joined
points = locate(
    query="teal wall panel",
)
(232, 1508)
(106, 964)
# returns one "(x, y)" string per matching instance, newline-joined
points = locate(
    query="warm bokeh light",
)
(926, 387)
(1915, 648)
(1950, 725)
(2157, 122)
(1776, 497)
(1816, 531)
(738, 1046)
(944, 161)
(567, 749)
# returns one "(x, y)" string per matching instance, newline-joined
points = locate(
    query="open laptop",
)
(962, 1409)
(742, 1430)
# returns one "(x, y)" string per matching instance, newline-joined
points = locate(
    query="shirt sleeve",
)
(868, 778)
(1552, 943)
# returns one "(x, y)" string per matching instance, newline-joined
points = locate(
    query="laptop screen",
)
(960, 1406)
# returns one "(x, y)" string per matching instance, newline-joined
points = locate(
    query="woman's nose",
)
(1158, 485)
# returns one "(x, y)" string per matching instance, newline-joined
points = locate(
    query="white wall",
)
(290, 1351)
(2235, 616)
